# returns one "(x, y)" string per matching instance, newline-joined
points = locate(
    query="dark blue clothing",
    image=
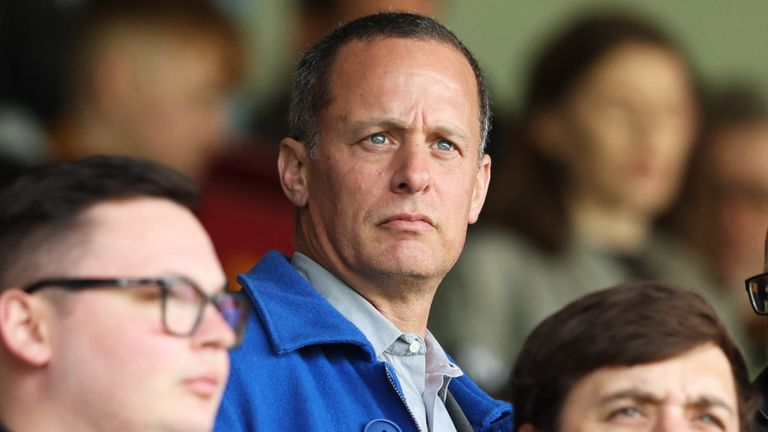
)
(303, 367)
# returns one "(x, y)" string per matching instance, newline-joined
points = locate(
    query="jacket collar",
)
(294, 314)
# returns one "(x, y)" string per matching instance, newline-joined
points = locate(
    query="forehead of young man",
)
(146, 237)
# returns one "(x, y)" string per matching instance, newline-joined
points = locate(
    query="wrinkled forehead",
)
(396, 75)
(390, 54)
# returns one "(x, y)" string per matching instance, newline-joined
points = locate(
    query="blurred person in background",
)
(151, 78)
(635, 357)
(105, 282)
(154, 79)
(724, 207)
(607, 127)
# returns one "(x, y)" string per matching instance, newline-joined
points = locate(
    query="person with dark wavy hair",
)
(635, 357)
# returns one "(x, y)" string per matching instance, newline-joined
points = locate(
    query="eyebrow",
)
(650, 398)
(712, 401)
(634, 394)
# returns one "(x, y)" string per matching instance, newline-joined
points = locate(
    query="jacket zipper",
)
(402, 398)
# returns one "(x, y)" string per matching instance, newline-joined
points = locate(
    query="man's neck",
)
(408, 312)
(405, 301)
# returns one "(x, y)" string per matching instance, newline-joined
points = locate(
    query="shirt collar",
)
(379, 331)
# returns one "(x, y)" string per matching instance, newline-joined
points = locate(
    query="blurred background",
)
(645, 158)
(724, 39)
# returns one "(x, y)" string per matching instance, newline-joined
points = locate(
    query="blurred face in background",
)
(625, 130)
(176, 104)
(737, 157)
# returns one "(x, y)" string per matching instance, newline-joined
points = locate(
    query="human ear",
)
(527, 427)
(293, 166)
(23, 328)
(480, 189)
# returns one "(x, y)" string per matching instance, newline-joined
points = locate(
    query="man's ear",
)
(293, 166)
(23, 328)
(480, 189)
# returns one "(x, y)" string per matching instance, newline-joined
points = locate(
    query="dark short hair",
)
(530, 193)
(311, 82)
(43, 206)
(630, 324)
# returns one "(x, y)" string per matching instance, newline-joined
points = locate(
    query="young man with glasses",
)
(105, 282)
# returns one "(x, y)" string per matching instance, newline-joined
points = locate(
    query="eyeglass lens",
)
(758, 291)
(184, 306)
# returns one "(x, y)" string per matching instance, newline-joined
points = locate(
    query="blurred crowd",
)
(622, 163)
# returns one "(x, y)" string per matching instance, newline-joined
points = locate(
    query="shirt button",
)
(414, 347)
(382, 425)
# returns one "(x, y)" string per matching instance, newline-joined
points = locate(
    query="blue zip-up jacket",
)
(304, 367)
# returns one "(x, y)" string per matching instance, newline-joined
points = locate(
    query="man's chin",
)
(408, 266)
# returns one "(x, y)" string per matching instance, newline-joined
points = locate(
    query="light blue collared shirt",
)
(421, 365)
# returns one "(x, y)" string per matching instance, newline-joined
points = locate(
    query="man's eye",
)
(625, 412)
(445, 146)
(378, 138)
(712, 420)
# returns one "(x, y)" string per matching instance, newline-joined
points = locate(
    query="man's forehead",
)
(373, 62)
(146, 237)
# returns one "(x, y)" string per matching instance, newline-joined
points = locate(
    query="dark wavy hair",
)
(630, 324)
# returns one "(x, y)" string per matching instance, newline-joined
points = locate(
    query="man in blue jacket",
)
(386, 166)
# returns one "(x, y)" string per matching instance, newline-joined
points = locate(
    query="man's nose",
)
(671, 420)
(412, 168)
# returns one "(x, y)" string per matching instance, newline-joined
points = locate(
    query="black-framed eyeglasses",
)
(183, 302)
(757, 289)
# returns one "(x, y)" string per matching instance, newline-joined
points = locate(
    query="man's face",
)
(396, 178)
(692, 391)
(176, 111)
(111, 358)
